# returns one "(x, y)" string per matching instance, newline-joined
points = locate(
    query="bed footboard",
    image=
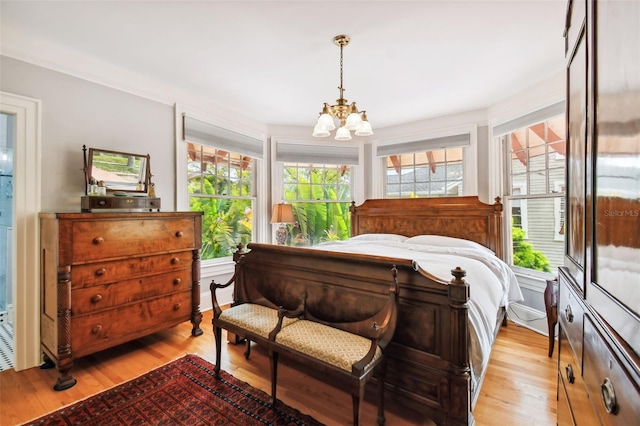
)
(428, 358)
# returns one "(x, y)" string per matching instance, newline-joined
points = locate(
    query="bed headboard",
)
(459, 217)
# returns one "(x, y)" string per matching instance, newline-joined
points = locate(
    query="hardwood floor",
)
(519, 387)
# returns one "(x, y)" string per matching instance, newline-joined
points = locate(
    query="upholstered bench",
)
(346, 347)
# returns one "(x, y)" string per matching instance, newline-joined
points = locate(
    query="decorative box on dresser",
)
(599, 285)
(108, 278)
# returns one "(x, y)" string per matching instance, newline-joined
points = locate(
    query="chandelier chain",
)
(341, 87)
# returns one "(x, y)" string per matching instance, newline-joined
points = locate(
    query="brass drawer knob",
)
(96, 329)
(569, 372)
(177, 281)
(179, 234)
(175, 261)
(98, 240)
(568, 313)
(96, 298)
(609, 397)
(100, 272)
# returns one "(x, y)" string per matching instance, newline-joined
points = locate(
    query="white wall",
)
(76, 112)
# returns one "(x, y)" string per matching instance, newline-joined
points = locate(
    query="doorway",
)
(24, 238)
(7, 142)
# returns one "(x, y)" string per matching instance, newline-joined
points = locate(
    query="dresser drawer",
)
(565, 418)
(91, 333)
(571, 317)
(93, 240)
(569, 369)
(108, 272)
(605, 376)
(100, 297)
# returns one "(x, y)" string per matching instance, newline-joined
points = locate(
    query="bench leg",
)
(381, 376)
(273, 361)
(356, 405)
(217, 331)
(247, 351)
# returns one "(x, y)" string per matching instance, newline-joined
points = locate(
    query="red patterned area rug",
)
(183, 392)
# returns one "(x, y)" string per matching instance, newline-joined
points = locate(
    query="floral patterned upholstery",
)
(331, 345)
(254, 318)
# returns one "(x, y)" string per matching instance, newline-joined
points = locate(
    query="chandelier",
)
(347, 114)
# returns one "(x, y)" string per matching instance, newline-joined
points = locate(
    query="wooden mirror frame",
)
(136, 180)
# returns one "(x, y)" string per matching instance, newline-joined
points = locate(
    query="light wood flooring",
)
(519, 388)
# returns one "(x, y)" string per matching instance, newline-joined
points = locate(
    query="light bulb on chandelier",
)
(347, 114)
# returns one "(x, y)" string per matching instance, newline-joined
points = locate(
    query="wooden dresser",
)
(108, 278)
(599, 285)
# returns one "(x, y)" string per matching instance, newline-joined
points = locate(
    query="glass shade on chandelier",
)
(347, 114)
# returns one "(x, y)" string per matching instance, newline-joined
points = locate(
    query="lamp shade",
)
(282, 213)
(343, 134)
(364, 129)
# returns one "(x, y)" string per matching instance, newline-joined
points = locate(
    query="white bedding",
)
(492, 283)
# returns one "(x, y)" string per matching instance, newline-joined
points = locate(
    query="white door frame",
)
(26, 241)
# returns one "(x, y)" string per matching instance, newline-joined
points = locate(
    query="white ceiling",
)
(275, 61)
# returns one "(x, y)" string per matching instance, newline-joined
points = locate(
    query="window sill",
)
(533, 281)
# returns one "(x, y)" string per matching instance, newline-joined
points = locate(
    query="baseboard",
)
(528, 317)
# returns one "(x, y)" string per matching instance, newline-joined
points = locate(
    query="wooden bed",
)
(428, 358)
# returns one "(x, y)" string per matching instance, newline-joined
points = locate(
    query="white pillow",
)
(380, 237)
(442, 241)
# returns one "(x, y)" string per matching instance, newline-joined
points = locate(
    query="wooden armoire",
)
(599, 285)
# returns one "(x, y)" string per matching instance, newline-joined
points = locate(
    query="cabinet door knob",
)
(177, 281)
(176, 306)
(609, 397)
(96, 298)
(568, 313)
(569, 372)
(100, 272)
(98, 240)
(179, 234)
(175, 261)
(96, 329)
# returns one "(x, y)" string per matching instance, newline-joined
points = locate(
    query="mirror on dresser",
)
(117, 180)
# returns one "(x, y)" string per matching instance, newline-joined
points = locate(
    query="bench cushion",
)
(254, 318)
(331, 345)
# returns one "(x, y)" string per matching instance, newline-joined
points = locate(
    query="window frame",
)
(469, 157)
(277, 169)
(260, 221)
(503, 141)
(412, 166)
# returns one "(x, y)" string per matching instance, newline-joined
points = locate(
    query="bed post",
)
(460, 384)
(497, 229)
(353, 221)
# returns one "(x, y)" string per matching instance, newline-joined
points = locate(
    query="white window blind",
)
(432, 144)
(530, 119)
(204, 133)
(317, 154)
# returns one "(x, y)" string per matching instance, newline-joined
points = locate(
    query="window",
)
(221, 184)
(320, 195)
(427, 167)
(425, 174)
(535, 164)
(317, 180)
(218, 168)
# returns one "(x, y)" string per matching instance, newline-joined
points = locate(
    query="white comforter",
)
(492, 283)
